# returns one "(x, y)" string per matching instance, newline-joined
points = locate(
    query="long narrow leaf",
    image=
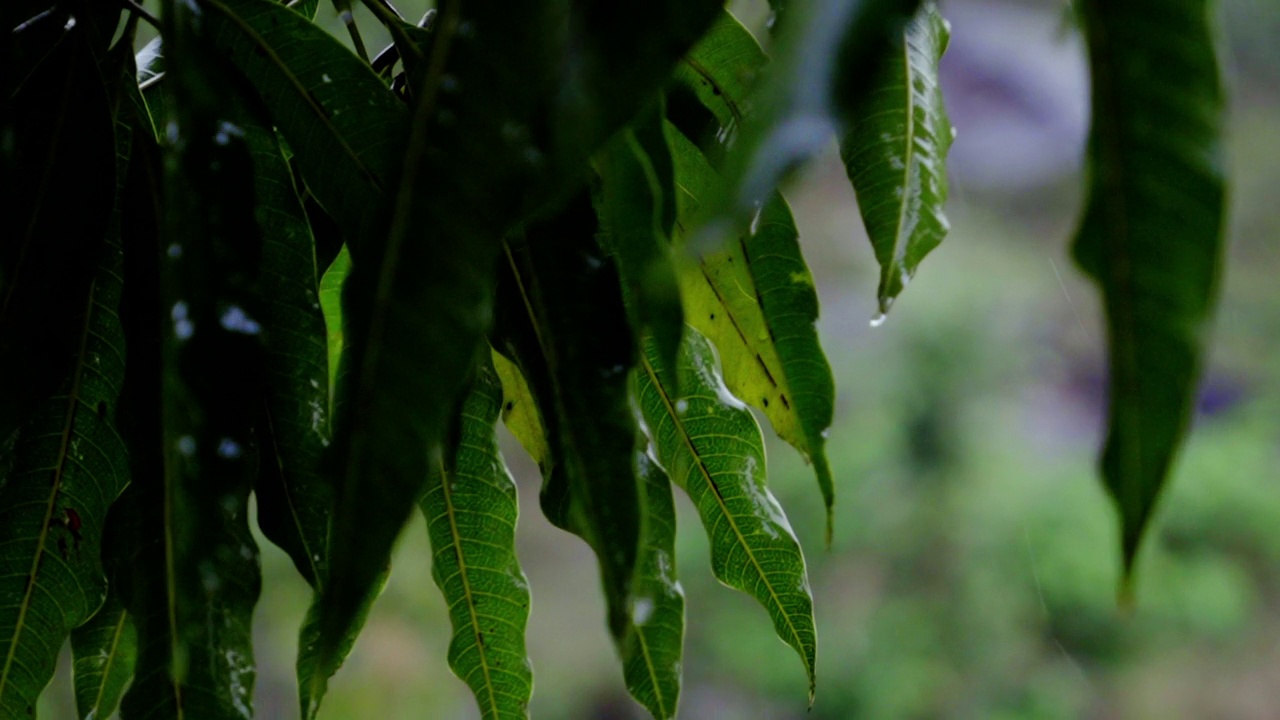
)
(896, 154)
(471, 510)
(711, 446)
(1152, 231)
(105, 651)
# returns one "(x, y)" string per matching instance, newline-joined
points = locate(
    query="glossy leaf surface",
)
(895, 154)
(711, 446)
(1152, 231)
(105, 654)
(471, 509)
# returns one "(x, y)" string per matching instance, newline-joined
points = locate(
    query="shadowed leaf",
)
(1152, 231)
(105, 651)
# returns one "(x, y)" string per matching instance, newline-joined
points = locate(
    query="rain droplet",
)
(187, 445)
(641, 610)
(878, 320)
(682, 406)
(226, 131)
(71, 22)
(235, 320)
(325, 78)
(229, 449)
(448, 83)
(174, 251)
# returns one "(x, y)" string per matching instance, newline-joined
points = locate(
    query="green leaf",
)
(635, 192)
(711, 446)
(331, 305)
(471, 509)
(652, 646)
(755, 300)
(896, 154)
(1151, 236)
(520, 412)
(560, 281)
(194, 591)
(69, 461)
(105, 651)
(345, 127)
(722, 70)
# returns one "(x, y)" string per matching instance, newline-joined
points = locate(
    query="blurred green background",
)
(974, 571)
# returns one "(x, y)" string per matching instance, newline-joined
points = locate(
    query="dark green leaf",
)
(896, 154)
(345, 127)
(1152, 231)
(756, 301)
(559, 282)
(711, 446)
(721, 70)
(652, 646)
(69, 461)
(471, 509)
(105, 651)
(194, 592)
(636, 191)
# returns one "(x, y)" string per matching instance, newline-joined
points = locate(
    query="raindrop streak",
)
(878, 320)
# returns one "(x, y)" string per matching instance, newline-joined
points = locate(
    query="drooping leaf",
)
(652, 647)
(722, 70)
(896, 154)
(345, 127)
(520, 412)
(471, 509)
(636, 191)
(195, 590)
(506, 124)
(48, 259)
(69, 460)
(560, 281)
(711, 447)
(754, 298)
(1151, 236)
(828, 53)
(105, 651)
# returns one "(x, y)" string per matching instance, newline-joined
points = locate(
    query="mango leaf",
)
(345, 127)
(195, 591)
(722, 70)
(69, 461)
(486, 150)
(636, 191)
(561, 281)
(896, 154)
(652, 646)
(520, 412)
(828, 52)
(1151, 236)
(711, 447)
(471, 510)
(105, 651)
(755, 300)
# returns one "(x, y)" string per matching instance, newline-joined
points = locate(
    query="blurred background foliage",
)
(975, 563)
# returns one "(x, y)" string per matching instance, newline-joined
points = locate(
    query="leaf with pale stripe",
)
(755, 299)
(1152, 233)
(471, 510)
(896, 154)
(710, 444)
(652, 647)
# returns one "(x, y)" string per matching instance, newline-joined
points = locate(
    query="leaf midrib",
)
(111, 658)
(706, 474)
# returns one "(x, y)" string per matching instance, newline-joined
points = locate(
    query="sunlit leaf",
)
(471, 509)
(331, 304)
(69, 460)
(1152, 230)
(711, 447)
(652, 647)
(520, 412)
(754, 298)
(896, 153)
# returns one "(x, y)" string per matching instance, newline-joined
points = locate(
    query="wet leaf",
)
(754, 298)
(722, 70)
(1151, 236)
(652, 646)
(896, 154)
(471, 509)
(711, 447)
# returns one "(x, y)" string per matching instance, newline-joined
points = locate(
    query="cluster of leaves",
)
(285, 270)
